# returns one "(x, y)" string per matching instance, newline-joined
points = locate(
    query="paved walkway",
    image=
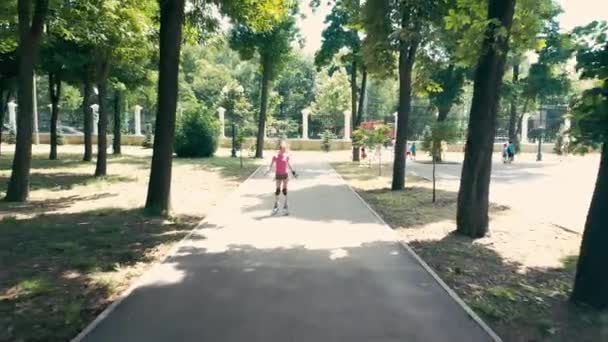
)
(328, 272)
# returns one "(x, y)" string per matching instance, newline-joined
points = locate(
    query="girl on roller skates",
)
(282, 168)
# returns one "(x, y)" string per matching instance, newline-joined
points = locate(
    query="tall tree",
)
(403, 27)
(261, 14)
(273, 47)
(473, 196)
(159, 187)
(590, 129)
(31, 21)
(55, 95)
(8, 54)
(61, 60)
(341, 41)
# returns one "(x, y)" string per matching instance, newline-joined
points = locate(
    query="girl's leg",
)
(285, 181)
(277, 192)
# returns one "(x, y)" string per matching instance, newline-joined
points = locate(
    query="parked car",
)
(68, 130)
(501, 139)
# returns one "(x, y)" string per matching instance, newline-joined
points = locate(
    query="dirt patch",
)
(517, 278)
(80, 241)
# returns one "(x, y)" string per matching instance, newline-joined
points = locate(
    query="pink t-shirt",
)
(281, 161)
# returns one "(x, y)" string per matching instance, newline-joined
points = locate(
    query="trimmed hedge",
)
(197, 134)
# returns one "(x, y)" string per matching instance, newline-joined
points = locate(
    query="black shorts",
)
(281, 177)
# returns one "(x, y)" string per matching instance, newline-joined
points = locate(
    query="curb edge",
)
(108, 310)
(427, 268)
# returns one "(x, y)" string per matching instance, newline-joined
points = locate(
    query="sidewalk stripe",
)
(170, 254)
(427, 268)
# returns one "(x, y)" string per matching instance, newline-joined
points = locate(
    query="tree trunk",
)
(407, 56)
(158, 201)
(116, 142)
(473, 196)
(353, 102)
(55, 95)
(513, 112)
(358, 116)
(591, 279)
(4, 96)
(266, 80)
(88, 121)
(29, 43)
(102, 126)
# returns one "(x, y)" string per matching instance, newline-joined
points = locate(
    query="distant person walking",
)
(413, 150)
(511, 151)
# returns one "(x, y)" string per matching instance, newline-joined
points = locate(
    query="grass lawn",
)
(517, 279)
(80, 241)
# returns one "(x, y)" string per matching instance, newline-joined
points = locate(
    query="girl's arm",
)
(293, 172)
(271, 165)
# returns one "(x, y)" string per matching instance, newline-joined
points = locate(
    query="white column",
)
(35, 113)
(524, 128)
(305, 113)
(220, 112)
(137, 119)
(347, 125)
(12, 115)
(95, 109)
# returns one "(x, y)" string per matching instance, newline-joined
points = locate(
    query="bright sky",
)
(576, 12)
(581, 12)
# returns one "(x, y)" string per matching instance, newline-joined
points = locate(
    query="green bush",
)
(148, 140)
(326, 139)
(10, 137)
(197, 134)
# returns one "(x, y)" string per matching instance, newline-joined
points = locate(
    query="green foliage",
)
(468, 20)
(394, 25)
(440, 131)
(332, 100)
(378, 136)
(326, 139)
(546, 78)
(272, 45)
(590, 110)
(340, 38)
(197, 134)
(296, 86)
(236, 104)
(381, 97)
(359, 137)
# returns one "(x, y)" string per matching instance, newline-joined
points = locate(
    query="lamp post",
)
(539, 154)
(233, 155)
